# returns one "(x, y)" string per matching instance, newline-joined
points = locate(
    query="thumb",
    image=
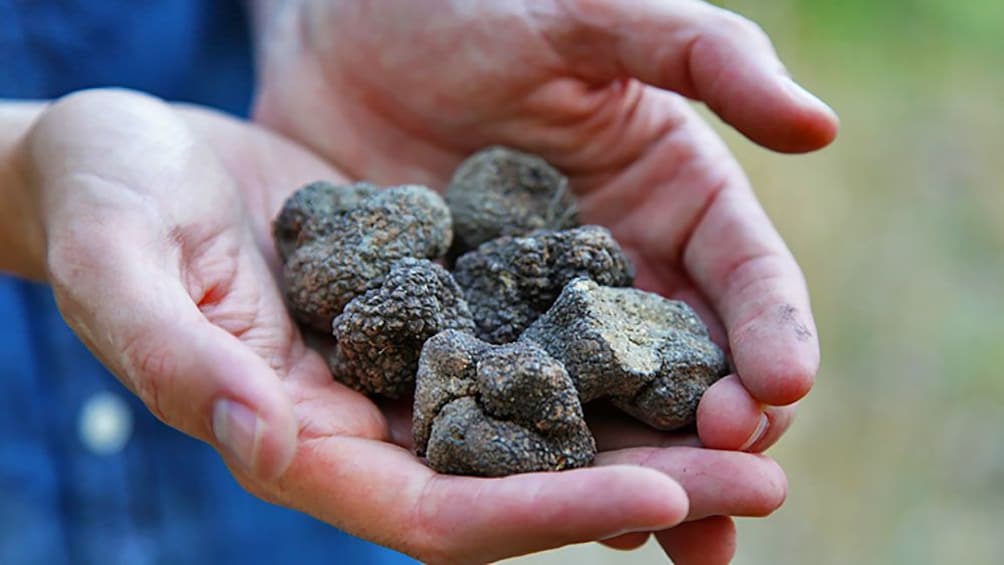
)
(193, 375)
(130, 197)
(697, 50)
(205, 382)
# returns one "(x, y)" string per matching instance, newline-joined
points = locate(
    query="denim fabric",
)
(181, 50)
(163, 497)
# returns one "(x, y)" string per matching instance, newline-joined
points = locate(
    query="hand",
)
(155, 223)
(391, 91)
(397, 91)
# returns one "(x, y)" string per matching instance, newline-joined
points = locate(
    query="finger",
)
(627, 542)
(622, 432)
(625, 433)
(740, 262)
(711, 541)
(728, 417)
(697, 50)
(716, 482)
(613, 429)
(699, 230)
(398, 413)
(381, 492)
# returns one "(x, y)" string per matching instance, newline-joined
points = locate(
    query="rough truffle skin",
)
(651, 356)
(380, 334)
(499, 191)
(510, 281)
(310, 212)
(323, 275)
(496, 410)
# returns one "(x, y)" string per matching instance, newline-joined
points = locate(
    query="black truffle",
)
(510, 281)
(323, 275)
(651, 356)
(496, 410)
(380, 333)
(498, 192)
(311, 211)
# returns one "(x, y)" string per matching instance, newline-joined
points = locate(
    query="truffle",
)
(510, 281)
(380, 333)
(323, 275)
(651, 356)
(537, 321)
(496, 410)
(311, 212)
(498, 192)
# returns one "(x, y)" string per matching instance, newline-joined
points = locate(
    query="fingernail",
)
(238, 431)
(758, 433)
(806, 97)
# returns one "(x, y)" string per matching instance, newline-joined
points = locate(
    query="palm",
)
(550, 79)
(160, 255)
(246, 300)
(450, 83)
(345, 442)
(249, 303)
(532, 99)
(395, 93)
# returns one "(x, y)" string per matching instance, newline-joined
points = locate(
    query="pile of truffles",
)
(537, 317)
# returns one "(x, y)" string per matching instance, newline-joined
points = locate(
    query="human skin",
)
(152, 224)
(395, 91)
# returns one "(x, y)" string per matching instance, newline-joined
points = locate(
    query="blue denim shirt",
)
(87, 475)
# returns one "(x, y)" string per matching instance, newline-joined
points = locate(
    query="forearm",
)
(21, 231)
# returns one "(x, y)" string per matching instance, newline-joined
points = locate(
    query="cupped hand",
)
(157, 244)
(397, 91)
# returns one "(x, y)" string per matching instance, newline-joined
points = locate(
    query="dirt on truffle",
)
(496, 410)
(651, 356)
(503, 192)
(381, 333)
(509, 282)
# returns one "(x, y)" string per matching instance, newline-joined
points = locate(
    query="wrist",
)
(23, 250)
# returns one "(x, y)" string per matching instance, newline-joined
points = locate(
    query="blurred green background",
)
(898, 454)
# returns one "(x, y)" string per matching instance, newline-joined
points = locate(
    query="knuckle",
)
(425, 541)
(731, 23)
(73, 121)
(148, 391)
(101, 99)
(156, 363)
(75, 112)
(421, 543)
(149, 366)
(271, 492)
